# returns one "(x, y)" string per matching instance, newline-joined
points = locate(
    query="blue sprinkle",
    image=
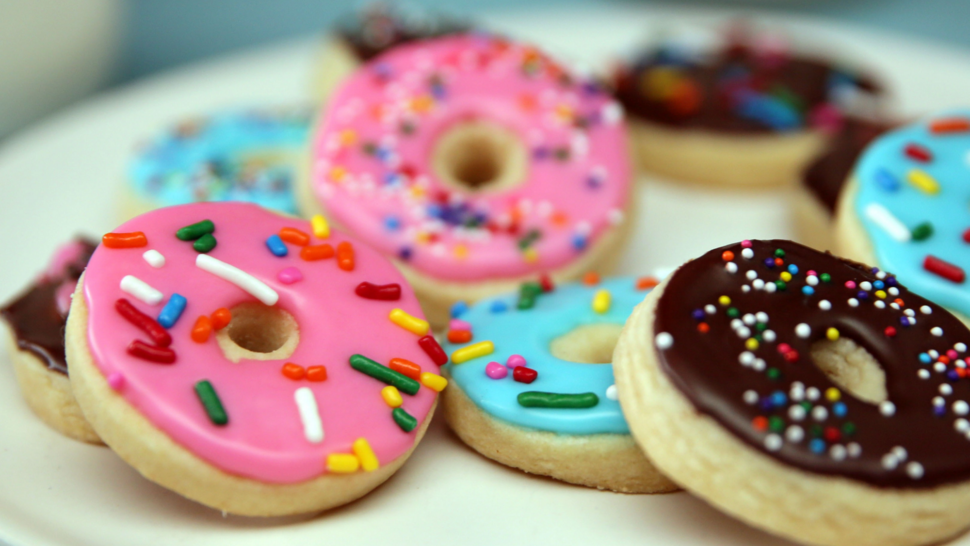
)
(458, 309)
(808, 290)
(698, 314)
(891, 281)
(886, 180)
(435, 210)
(499, 306)
(392, 179)
(438, 91)
(172, 310)
(392, 223)
(862, 295)
(793, 269)
(767, 404)
(405, 253)
(925, 358)
(939, 411)
(839, 409)
(579, 242)
(276, 246)
(778, 398)
(879, 285)
(952, 375)
(817, 445)
(770, 263)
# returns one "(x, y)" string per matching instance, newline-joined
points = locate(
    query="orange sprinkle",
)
(313, 253)
(703, 328)
(459, 336)
(345, 256)
(779, 261)
(293, 371)
(316, 373)
(591, 278)
(944, 359)
(727, 255)
(527, 102)
(643, 283)
(760, 422)
(899, 302)
(201, 329)
(961, 372)
(294, 236)
(405, 367)
(559, 219)
(221, 318)
(124, 240)
(950, 125)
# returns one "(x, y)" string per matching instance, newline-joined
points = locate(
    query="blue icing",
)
(529, 333)
(882, 178)
(244, 155)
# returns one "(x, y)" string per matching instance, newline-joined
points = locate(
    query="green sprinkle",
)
(779, 253)
(775, 423)
(815, 431)
(196, 230)
(774, 374)
(781, 285)
(210, 401)
(205, 243)
(405, 420)
(536, 399)
(525, 303)
(848, 428)
(532, 236)
(733, 312)
(922, 231)
(825, 277)
(531, 289)
(761, 326)
(384, 374)
(807, 406)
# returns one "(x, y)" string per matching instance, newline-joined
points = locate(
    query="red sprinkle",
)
(405, 367)
(144, 322)
(791, 356)
(591, 278)
(832, 434)
(160, 355)
(345, 256)
(385, 292)
(294, 236)
(890, 331)
(760, 423)
(316, 373)
(313, 253)
(293, 371)
(546, 283)
(459, 336)
(950, 125)
(643, 283)
(917, 152)
(524, 375)
(124, 240)
(944, 269)
(221, 318)
(703, 328)
(966, 236)
(202, 329)
(431, 347)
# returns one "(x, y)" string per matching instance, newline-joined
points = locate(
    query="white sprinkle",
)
(938, 401)
(749, 319)
(745, 288)
(710, 309)
(926, 310)
(306, 404)
(731, 267)
(614, 216)
(751, 274)
(819, 413)
(750, 397)
(881, 216)
(811, 280)
(761, 316)
(796, 412)
(794, 434)
(893, 291)
(923, 374)
(803, 330)
(909, 312)
(900, 453)
(946, 389)
(881, 275)
(768, 336)
(939, 367)
(154, 258)
(797, 391)
(887, 408)
(837, 452)
(238, 277)
(747, 253)
(880, 304)
(960, 407)
(961, 424)
(611, 393)
(757, 284)
(853, 302)
(746, 358)
(854, 449)
(736, 323)
(744, 332)
(141, 290)
(889, 462)
(664, 341)
(865, 285)
(936, 331)
(914, 470)
(933, 353)
(812, 393)
(960, 347)
(773, 442)
(770, 287)
(825, 305)
(612, 113)
(759, 365)
(894, 305)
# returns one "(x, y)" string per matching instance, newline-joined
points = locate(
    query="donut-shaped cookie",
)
(905, 208)
(36, 320)
(541, 397)
(367, 33)
(812, 397)
(814, 199)
(742, 108)
(247, 155)
(475, 163)
(246, 360)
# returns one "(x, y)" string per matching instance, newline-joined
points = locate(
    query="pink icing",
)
(264, 438)
(372, 158)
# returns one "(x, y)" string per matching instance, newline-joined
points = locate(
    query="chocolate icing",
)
(809, 80)
(34, 317)
(380, 27)
(708, 370)
(827, 174)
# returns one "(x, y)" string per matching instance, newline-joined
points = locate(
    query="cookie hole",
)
(258, 332)
(587, 344)
(852, 368)
(477, 156)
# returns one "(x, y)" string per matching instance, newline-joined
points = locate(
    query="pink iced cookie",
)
(471, 158)
(275, 397)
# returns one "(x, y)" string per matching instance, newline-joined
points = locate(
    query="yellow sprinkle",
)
(530, 255)
(832, 394)
(416, 191)
(923, 182)
(881, 294)
(368, 461)
(423, 237)
(832, 334)
(348, 137)
(342, 463)
(724, 300)
(337, 173)
(601, 301)
(422, 104)
(321, 229)
(659, 82)
(392, 396)
(751, 344)
(461, 251)
(475, 350)
(785, 276)
(408, 322)
(433, 381)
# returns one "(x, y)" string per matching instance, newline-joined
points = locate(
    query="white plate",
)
(62, 178)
